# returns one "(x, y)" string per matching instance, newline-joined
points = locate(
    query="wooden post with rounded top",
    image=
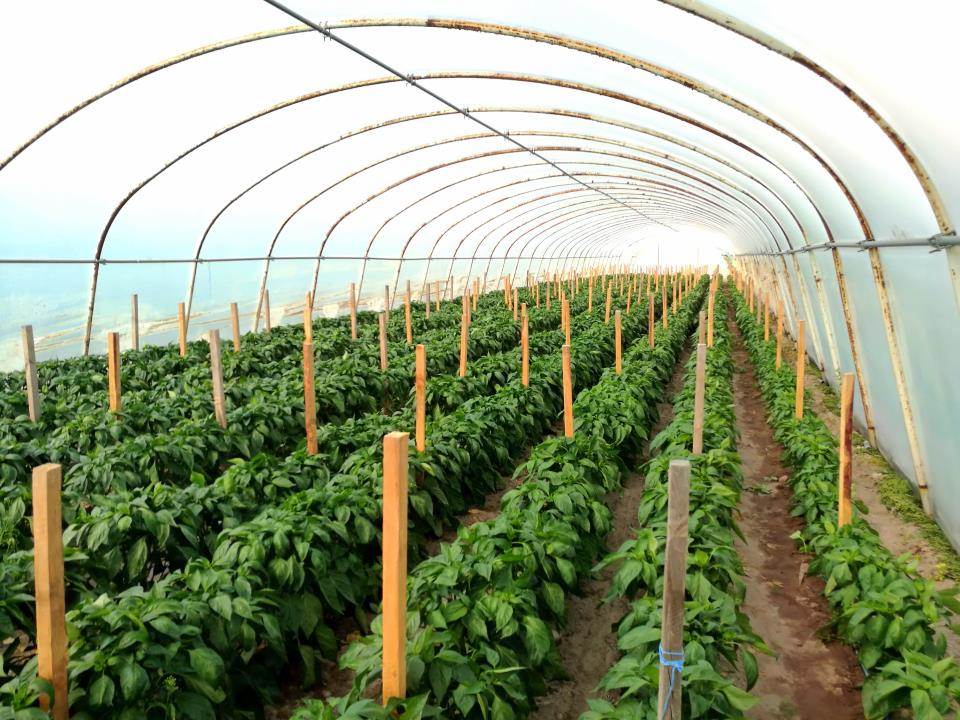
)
(182, 328)
(698, 398)
(524, 348)
(407, 319)
(617, 344)
(674, 572)
(134, 322)
(353, 311)
(30, 373)
(394, 621)
(420, 431)
(779, 332)
(845, 480)
(309, 399)
(49, 587)
(113, 370)
(567, 392)
(235, 325)
(216, 376)
(383, 341)
(801, 367)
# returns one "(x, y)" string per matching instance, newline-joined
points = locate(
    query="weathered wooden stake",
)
(698, 398)
(216, 375)
(464, 338)
(710, 301)
(408, 320)
(617, 344)
(702, 328)
(606, 315)
(428, 301)
(235, 322)
(30, 372)
(779, 332)
(651, 322)
(394, 627)
(516, 305)
(439, 297)
(674, 572)
(567, 392)
(590, 295)
(353, 311)
(845, 507)
(134, 322)
(524, 349)
(766, 321)
(49, 587)
(383, 341)
(386, 301)
(664, 318)
(566, 316)
(182, 328)
(420, 432)
(113, 370)
(309, 399)
(801, 367)
(266, 310)
(308, 319)
(629, 293)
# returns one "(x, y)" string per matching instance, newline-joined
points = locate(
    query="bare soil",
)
(588, 643)
(807, 677)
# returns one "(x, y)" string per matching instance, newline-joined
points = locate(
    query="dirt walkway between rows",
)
(588, 643)
(807, 678)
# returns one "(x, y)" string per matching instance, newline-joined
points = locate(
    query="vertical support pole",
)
(353, 311)
(651, 322)
(408, 320)
(308, 319)
(547, 285)
(567, 392)
(629, 293)
(516, 304)
(266, 310)
(476, 292)
(113, 370)
(395, 449)
(617, 344)
(216, 374)
(710, 301)
(464, 338)
(590, 295)
(845, 481)
(235, 322)
(801, 367)
(702, 327)
(386, 301)
(30, 372)
(429, 301)
(663, 301)
(439, 298)
(606, 315)
(182, 328)
(309, 399)
(779, 332)
(383, 341)
(134, 322)
(766, 320)
(49, 587)
(698, 398)
(674, 572)
(524, 348)
(420, 431)
(566, 318)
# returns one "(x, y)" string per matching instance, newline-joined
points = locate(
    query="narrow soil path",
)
(588, 643)
(807, 678)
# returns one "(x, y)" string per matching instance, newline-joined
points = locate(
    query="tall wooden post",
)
(383, 341)
(266, 309)
(590, 295)
(766, 321)
(710, 301)
(395, 449)
(698, 398)
(606, 315)
(779, 332)
(216, 375)
(386, 301)
(30, 373)
(702, 327)
(113, 370)
(674, 571)
(629, 293)
(464, 338)
(439, 298)
(353, 311)
(308, 319)
(134, 322)
(235, 323)
(407, 319)
(309, 399)
(420, 431)
(428, 300)
(664, 318)
(845, 506)
(567, 392)
(651, 322)
(566, 315)
(524, 348)
(617, 344)
(49, 587)
(801, 367)
(516, 305)
(547, 286)
(536, 294)
(476, 292)
(182, 328)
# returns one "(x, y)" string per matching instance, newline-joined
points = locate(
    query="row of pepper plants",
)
(717, 635)
(482, 612)
(257, 597)
(881, 604)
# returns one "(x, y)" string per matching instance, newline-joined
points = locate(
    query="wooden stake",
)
(779, 332)
(428, 301)
(766, 321)
(801, 367)
(629, 293)
(606, 315)
(235, 322)
(702, 328)
(845, 507)
(464, 338)
(651, 322)
(476, 292)
(216, 374)
(353, 311)
(710, 301)
(566, 318)
(408, 320)
(308, 319)
(113, 370)
(548, 294)
(386, 301)
(49, 587)
(663, 311)
(698, 398)
(182, 328)
(524, 349)
(266, 309)
(536, 292)
(383, 341)
(674, 571)
(309, 399)
(395, 449)
(134, 322)
(617, 344)
(590, 295)
(567, 392)
(421, 397)
(516, 305)
(30, 372)
(438, 296)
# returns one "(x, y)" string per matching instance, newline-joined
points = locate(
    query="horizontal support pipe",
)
(935, 242)
(161, 261)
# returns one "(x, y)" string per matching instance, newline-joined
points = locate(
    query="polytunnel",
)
(262, 151)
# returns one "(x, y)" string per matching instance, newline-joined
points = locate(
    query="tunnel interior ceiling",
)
(207, 153)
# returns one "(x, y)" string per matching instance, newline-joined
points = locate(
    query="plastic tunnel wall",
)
(209, 152)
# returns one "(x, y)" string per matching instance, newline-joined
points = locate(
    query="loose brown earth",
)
(807, 677)
(588, 644)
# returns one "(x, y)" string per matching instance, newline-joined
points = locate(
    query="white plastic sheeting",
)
(236, 151)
